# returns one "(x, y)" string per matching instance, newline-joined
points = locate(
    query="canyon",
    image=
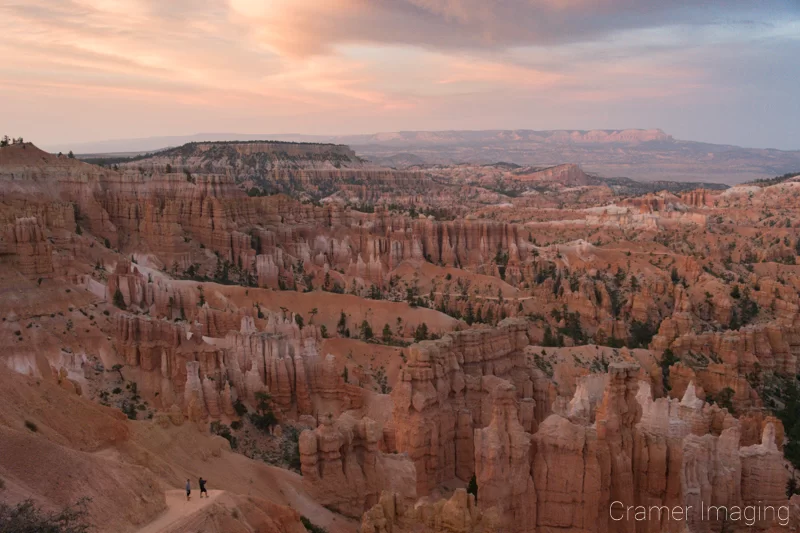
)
(337, 344)
(648, 155)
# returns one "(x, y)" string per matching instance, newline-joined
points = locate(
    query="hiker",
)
(188, 490)
(203, 490)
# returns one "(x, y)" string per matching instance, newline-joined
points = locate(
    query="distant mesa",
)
(639, 154)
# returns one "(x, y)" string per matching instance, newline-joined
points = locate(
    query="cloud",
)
(310, 27)
(344, 66)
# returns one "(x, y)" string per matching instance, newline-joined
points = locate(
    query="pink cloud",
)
(318, 63)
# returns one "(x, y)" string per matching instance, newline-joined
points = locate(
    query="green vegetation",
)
(341, 326)
(26, 517)
(667, 360)
(119, 300)
(766, 182)
(724, 399)
(240, 408)
(550, 339)
(366, 331)
(263, 418)
(572, 327)
(218, 428)
(421, 333)
(290, 449)
(789, 396)
(745, 311)
(472, 487)
(382, 380)
(311, 527)
(642, 334)
(6, 141)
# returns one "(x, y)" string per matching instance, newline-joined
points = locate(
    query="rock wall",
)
(177, 361)
(458, 514)
(618, 445)
(445, 392)
(502, 464)
(24, 240)
(343, 468)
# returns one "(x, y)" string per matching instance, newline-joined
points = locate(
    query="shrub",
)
(264, 419)
(291, 447)
(313, 528)
(792, 487)
(240, 408)
(218, 428)
(667, 360)
(119, 300)
(472, 487)
(724, 399)
(129, 409)
(25, 517)
(642, 334)
(31, 426)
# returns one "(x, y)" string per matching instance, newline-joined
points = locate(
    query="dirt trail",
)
(178, 508)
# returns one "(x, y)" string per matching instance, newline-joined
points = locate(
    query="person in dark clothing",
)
(188, 490)
(203, 490)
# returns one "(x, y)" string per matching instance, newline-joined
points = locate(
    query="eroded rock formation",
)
(343, 468)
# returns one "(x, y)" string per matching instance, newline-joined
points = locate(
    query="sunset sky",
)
(87, 70)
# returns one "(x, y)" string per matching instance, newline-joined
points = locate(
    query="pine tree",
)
(366, 331)
(469, 314)
(119, 300)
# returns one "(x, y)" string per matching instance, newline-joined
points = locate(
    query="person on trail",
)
(203, 490)
(188, 490)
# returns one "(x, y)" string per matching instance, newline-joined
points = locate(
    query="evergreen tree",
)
(119, 300)
(421, 333)
(366, 330)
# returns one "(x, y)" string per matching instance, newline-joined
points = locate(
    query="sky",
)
(90, 70)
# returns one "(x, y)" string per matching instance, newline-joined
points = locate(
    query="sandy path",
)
(178, 507)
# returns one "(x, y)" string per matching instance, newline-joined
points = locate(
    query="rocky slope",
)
(554, 351)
